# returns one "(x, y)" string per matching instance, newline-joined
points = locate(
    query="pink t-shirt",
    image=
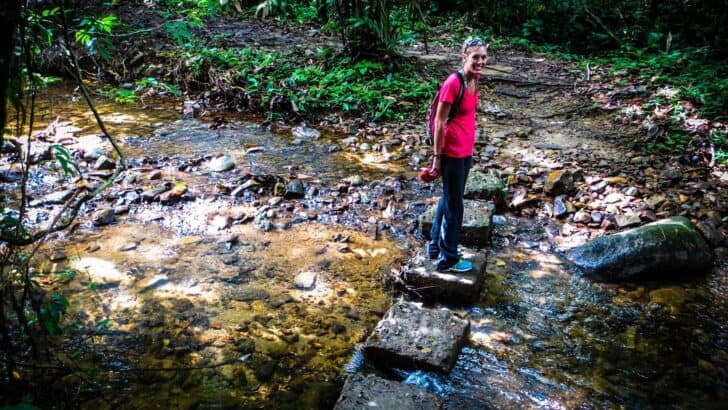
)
(460, 130)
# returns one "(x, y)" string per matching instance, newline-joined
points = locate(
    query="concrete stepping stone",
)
(412, 337)
(477, 222)
(481, 185)
(366, 392)
(455, 288)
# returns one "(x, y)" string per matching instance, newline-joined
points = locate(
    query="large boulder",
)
(669, 246)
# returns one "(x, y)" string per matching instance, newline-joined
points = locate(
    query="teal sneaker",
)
(461, 266)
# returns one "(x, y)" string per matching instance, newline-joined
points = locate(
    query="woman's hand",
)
(436, 165)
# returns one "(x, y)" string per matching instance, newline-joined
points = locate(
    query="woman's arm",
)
(443, 111)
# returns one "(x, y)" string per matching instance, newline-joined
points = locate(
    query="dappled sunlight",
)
(101, 271)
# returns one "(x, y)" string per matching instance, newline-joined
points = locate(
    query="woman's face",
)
(474, 59)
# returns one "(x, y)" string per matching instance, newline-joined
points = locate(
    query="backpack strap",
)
(461, 91)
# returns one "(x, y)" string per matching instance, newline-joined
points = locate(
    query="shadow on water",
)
(544, 337)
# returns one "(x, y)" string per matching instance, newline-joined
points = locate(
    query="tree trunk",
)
(9, 17)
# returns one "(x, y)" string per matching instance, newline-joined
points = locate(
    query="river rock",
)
(93, 154)
(104, 162)
(710, 228)
(152, 194)
(559, 182)
(305, 280)
(295, 189)
(58, 197)
(477, 222)
(413, 337)
(221, 163)
(305, 132)
(483, 186)
(104, 217)
(371, 392)
(669, 246)
(151, 283)
(454, 288)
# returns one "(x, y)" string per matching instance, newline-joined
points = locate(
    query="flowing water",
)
(170, 311)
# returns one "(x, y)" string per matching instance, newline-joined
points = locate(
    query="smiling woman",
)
(454, 141)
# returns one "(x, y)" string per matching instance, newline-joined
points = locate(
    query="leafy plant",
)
(51, 313)
(91, 34)
(64, 160)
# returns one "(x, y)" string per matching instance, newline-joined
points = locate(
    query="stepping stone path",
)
(455, 288)
(412, 337)
(477, 222)
(367, 392)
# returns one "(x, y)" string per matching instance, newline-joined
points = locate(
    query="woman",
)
(454, 140)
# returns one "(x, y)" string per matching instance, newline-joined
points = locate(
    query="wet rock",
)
(672, 174)
(454, 288)
(669, 246)
(59, 197)
(412, 337)
(481, 185)
(221, 222)
(58, 255)
(655, 201)
(152, 194)
(582, 217)
(104, 162)
(559, 182)
(477, 220)
(624, 221)
(152, 283)
(305, 132)
(366, 392)
(560, 208)
(263, 372)
(305, 280)
(631, 191)
(355, 180)
(104, 217)
(246, 293)
(154, 175)
(598, 186)
(710, 229)
(221, 163)
(93, 154)
(597, 217)
(295, 189)
(129, 246)
(9, 175)
(280, 300)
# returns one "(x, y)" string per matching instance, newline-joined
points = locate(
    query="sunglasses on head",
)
(475, 42)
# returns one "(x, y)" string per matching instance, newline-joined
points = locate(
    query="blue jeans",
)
(448, 222)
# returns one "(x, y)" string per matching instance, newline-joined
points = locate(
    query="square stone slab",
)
(455, 288)
(412, 337)
(481, 185)
(372, 392)
(477, 222)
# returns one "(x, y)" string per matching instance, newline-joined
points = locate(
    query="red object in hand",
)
(428, 174)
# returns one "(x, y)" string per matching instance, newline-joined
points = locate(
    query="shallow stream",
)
(182, 314)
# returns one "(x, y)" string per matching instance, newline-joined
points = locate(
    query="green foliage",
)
(720, 143)
(92, 32)
(64, 160)
(51, 313)
(64, 275)
(323, 82)
(179, 31)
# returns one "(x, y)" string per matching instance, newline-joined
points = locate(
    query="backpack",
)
(432, 110)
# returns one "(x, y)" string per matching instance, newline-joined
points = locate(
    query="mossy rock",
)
(671, 246)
